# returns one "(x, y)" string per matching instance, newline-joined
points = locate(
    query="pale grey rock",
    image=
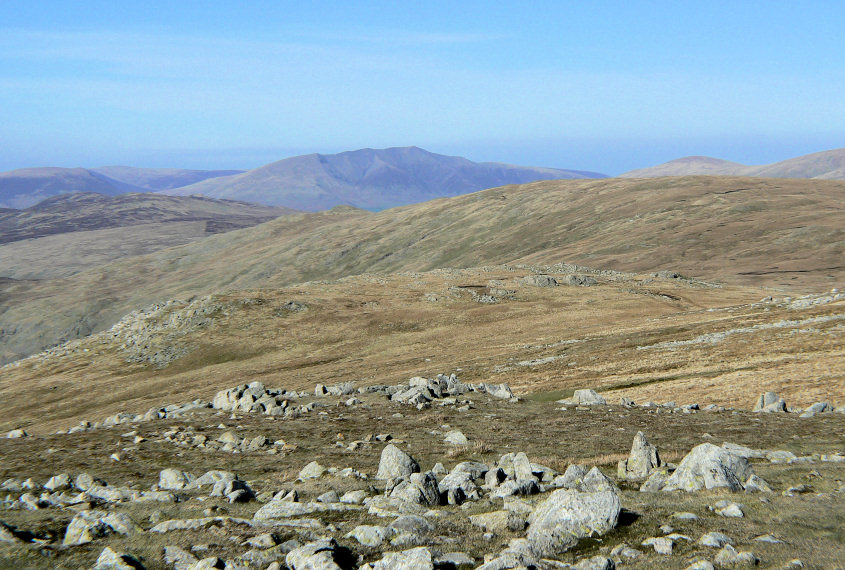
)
(587, 397)
(87, 526)
(456, 437)
(370, 535)
(768, 538)
(320, 555)
(59, 482)
(329, 497)
(595, 481)
(685, 516)
(111, 560)
(701, 565)
(572, 477)
(174, 480)
(495, 521)
(16, 434)
(715, 540)
(285, 509)
(454, 560)
(312, 471)
(266, 540)
(501, 391)
(757, 484)
(728, 556)
(512, 487)
(195, 524)
(625, 551)
(421, 488)
(643, 459)
(179, 558)
(731, 510)
(419, 558)
(475, 469)
(567, 515)
(84, 482)
(661, 544)
(709, 467)
(779, 456)
(354, 497)
(395, 464)
(769, 402)
(540, 280)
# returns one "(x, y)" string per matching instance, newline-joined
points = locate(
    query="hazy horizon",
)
(604, 87)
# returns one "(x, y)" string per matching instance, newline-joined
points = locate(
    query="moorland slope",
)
(782, 233)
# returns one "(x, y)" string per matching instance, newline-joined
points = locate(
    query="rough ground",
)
(663, 338)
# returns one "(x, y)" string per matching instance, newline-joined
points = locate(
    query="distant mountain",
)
(828, 164)
(155, 179)
(28, 186)
(370, 179)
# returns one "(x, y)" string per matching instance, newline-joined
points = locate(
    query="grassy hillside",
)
(782, 233)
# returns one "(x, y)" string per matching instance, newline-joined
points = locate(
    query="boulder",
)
(769, 402)
(709, 467)
(111, 560)
(174, 480)
(419, 558)
(395, 464)
(320, 555)
(641, 462)
(567, 515)
(312, 471)
(456, 437)
(87, 526)
(58, 483)
(587, 397)
(421, 488)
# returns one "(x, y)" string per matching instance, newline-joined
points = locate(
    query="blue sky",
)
(606, 86)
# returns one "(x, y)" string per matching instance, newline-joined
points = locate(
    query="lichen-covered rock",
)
(396, 464)
(419, 558)
(567, 515)
(709, 467)
(87, 526)
(174, 480)
(769, 402)
(642, 461)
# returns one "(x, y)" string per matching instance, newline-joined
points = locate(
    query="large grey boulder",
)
(174, 480)
(501, 391)
(90, 525)
(567, 516)
(769, 402)
(396, 464)
(709, 467)
(642, 461)
(421, 488)
(587, 397)
(419, 558)
(320, 555)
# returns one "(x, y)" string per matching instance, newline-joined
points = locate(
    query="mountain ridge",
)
(826, 165)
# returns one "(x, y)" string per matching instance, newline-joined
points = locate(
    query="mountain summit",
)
(373, 179)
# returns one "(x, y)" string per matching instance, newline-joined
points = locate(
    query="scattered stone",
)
(567, 515)
(312, 471)
(728, 556)
(715, 540)
(174, 480)
(396, 464)
(728, 509)
(769, 402)
(111, 560)
(179, 558)
(643, 460)
(321, 555)
(709, 467)
(661, 544)
(87, 526)
(456, 437)
(757, 484)
(625, 551)
(16, 434)
(419, 558)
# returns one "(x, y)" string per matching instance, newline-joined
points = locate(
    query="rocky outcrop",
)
(709, 467)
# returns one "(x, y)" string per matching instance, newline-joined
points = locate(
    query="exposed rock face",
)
(567, 515)
(769, 402)
(320, 555)
(540, 280)
(642, 461)
(395, 464)
(709, 467)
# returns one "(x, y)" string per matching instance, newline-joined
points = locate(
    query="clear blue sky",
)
(605, 86)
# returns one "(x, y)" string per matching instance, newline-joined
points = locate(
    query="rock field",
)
(397, 503)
